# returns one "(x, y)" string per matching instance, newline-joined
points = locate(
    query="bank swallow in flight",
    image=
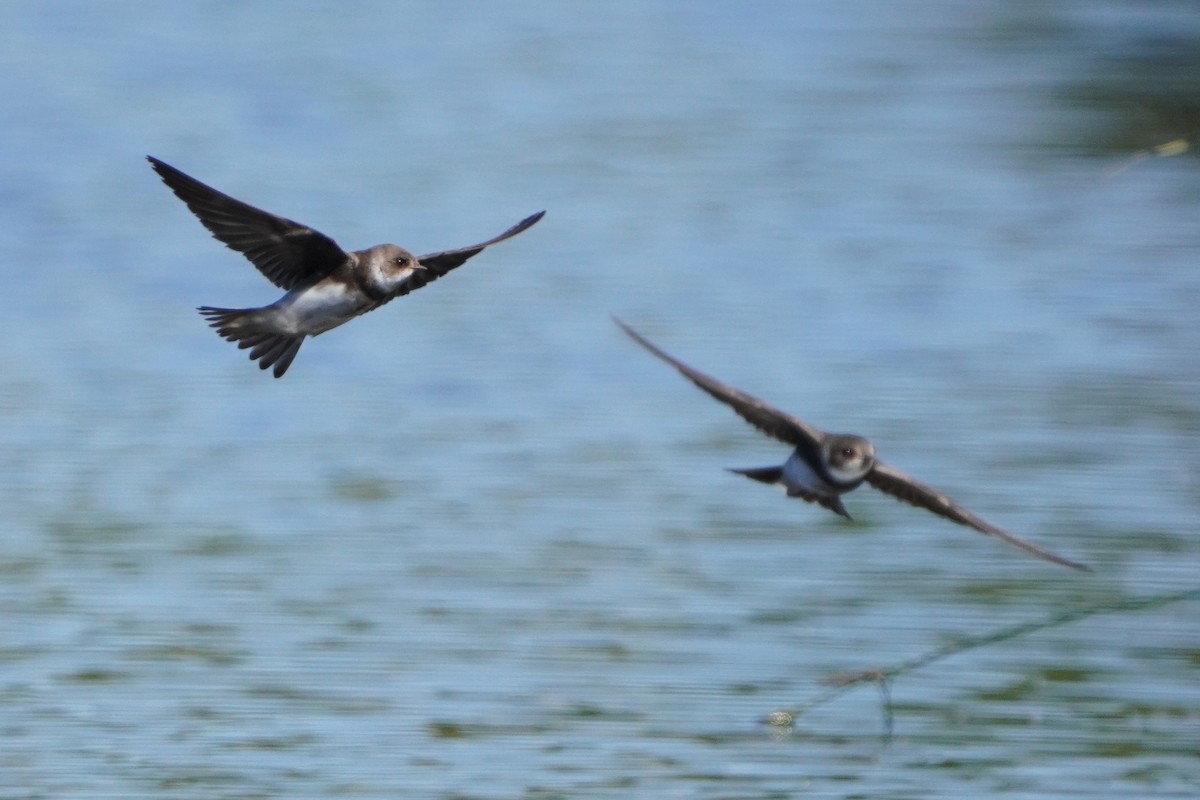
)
(824, 466)
(325, 285)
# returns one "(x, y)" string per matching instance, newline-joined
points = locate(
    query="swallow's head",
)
(388, 266)
(847, 458)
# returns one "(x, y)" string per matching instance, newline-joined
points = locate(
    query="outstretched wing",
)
(766, 418)
(894, 482)
(286, 253)
(438, 264)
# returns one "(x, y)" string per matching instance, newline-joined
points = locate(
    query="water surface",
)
(480, 545)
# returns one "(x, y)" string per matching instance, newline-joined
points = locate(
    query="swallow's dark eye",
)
(401, 260)
(847, 451)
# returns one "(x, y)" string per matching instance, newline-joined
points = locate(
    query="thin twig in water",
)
(842, 683)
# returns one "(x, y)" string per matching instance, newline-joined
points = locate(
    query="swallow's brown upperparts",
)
(824, 466)
(326, 286)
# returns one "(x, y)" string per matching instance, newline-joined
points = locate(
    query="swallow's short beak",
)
(418, 265)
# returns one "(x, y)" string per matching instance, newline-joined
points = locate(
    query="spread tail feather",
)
(267, 347)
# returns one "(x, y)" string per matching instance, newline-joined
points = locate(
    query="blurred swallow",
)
(326, 286)
(824, 466)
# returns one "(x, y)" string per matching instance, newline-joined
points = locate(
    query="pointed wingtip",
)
(524, 224)
(520, 227)
(161, 167)
(1066, 562)
(637, 337)
(655, 350)
(632, 334)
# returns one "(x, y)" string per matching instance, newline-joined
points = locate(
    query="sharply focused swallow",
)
(326, 286)
(824, 466)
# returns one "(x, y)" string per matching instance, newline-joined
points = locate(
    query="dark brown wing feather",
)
(897, 484)
(438, 264)
(287, 253)
(766, 418)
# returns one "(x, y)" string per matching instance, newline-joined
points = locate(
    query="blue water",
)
(480, 545)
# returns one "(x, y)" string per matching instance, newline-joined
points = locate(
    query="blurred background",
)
(480, 545)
